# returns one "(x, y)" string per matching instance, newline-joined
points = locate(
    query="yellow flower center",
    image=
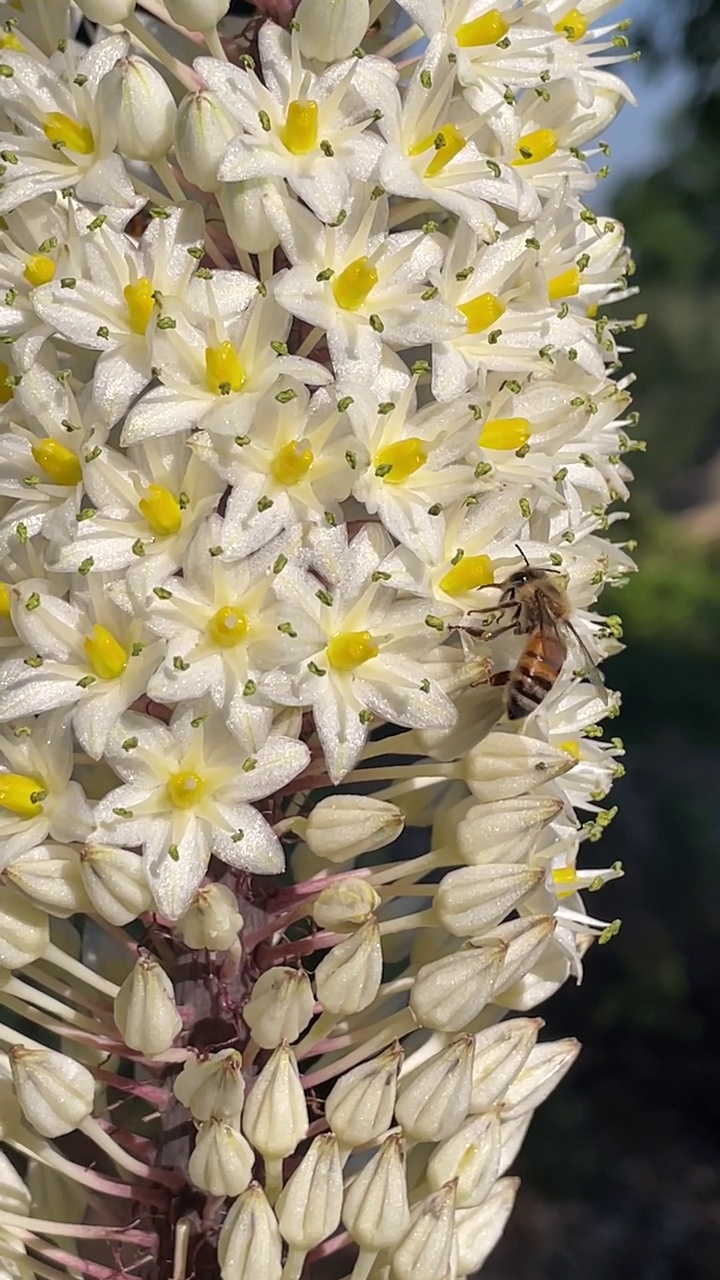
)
(397, 462)
(69, 133)
(162, 511)
(487, 29)
(469, 573)
(59, 463)
(292, 463)
(39, 269)
(140, 301)
(223, 371)
(353, 285)
(108, 658)
(8, 40)
(447, 141)
(482, 311)
(566, 881)
(185, 789)
(536, 146)
(349, 649)
(5, 609)
(566, 285)
(21, 795)
(300, 132)
(573, 25)
(505, 433)
(6, 392)
(228, 626)
(572, 747)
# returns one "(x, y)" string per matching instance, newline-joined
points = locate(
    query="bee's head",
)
(521, 577)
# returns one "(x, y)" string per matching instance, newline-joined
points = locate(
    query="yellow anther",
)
(536, 146)
(223, 371)
(5, 602)
(592, 310)
(185, 789)
(566, 285)
(447, 142)
(571, 747)
(140, 301)
(574, 25)
(349, 649)
(228, 626)
(6, 392)
(487, 29)
(505, 433)
(397, 462)
(565, 880)
(292, 463)
(162, 511)
(59, 463)
(468, 574)
(39, 269)
(482, 311)
(108, 658)
(354, 284)
(8, 40)
(300, 131)
(21, 795)
(69, 133)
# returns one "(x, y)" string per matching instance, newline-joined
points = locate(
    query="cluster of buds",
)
(312, 436)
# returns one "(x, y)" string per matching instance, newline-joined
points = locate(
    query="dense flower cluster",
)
(305, 352)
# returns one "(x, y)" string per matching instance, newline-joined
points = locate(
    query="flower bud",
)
(449, 993)
(308, 1207)
(50, 875)
(213, 1089)
(222, 1161)
(275, 1119)
(341, 828)
(375, 1210)
(329, 30)
(145, 1011)
(145, 107)
(471, 1156)
(249, 1244)
(347, 980)
(202, 131)
(475, 898)
(242, 205)
(280, 1007)
(55, 1092)
(346, 904)
(212, 920)
(115, 882)
(197, 15)
(506, 765)
(24, 930)
(360, 1105)
(545, 1068)
(426, 1249)
(108, 12)
(524, 941)
(434, 1100)
(512, 1136)
(505, 831)
(500, 1052)
(477, 1231)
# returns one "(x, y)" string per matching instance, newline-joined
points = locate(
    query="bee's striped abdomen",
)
(538, 667)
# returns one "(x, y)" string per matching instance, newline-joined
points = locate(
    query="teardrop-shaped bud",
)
(115, 882)
(340, 828)
(197, 15)
(24, 930)
(329, 30)
(242, 205)
(50, 875)
(543, 1071)
(212, 920)
(145, 1010)
(346, 904)
(434, 1099)
(222, 1161)
(144, 109)
(308, 1207)
(505, 831)
(108, 12)
(275, 1119)
(506, 765)
(202, 131)
(524, 941)
(360, 1105)
(477, 1231)
(280, 1007)
(500, 1053)
(348, 978)
(249, 1244)
(375, 1210)
(472, 899)
(426, 1250)
(471, 1157)
(214, 1088)
(449, 993)
(55, 1092)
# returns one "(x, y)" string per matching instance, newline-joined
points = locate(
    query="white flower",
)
(37, 796)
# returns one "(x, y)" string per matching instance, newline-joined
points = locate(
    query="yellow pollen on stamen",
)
(447, 141)
(21, 795)
(162, 511)
(8, 40)
(566, 881)
(6, 392)
(140, 302)
(354, 284)
(108, 658)
(59, 463)
(397, 462)
(565, 285)
(536, 146)
(69, 133)
(292, 463)
(5, 602)
(223, 371)
(300, 131)
(505, 433)
(592, 310)
(482, 311)
(228, 627)
(487, 29)
(571, 747)
(347, 650)
(185, 789)
(39, 269)
(468, 574)
(574, 25)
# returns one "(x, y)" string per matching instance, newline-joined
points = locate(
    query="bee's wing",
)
(592, 670)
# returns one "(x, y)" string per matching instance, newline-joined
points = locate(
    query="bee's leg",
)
(499, 678)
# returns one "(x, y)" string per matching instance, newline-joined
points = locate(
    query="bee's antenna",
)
(522, 553)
